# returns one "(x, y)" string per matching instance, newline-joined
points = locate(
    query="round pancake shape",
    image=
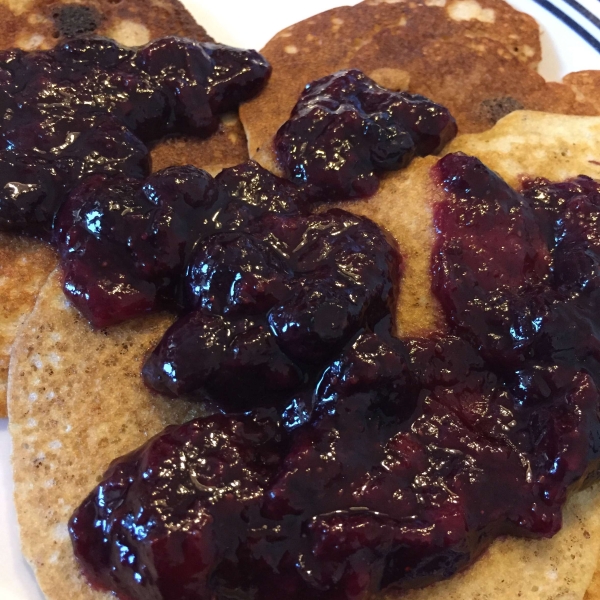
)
(77, 400)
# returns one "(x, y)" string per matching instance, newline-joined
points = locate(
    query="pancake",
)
(585, 84)
(38, 24)
(24, 267)
(83, 400)
(477, 57)
(76, 399)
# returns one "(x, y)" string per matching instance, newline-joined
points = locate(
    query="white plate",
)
(251, 25)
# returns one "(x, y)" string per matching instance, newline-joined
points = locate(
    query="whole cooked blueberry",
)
(75, 19)
(190, 353)
(348, 272)
(237, 361)
(102, 292)
(345, 129)
(234, 273)
(184, 69)
(316, 321)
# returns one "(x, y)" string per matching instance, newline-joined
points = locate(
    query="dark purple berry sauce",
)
(491, 264)
(397, 462)
(345, 129)
(267, 304)
(125, 243)
(90, 106)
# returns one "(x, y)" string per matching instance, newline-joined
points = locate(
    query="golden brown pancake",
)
(478, 79)
(39, 24)
(81, 400)
(76, 398)
(24, 267)
(585, 84)
(477, 57)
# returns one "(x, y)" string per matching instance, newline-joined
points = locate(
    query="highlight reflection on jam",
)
(271, 305)
(414, 454)
(90, 106)
(125, 243)
(345, 128)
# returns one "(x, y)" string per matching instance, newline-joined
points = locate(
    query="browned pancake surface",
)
(477, 57)
(77, 402)
(24, 266)
(38, 24)
(478, 79)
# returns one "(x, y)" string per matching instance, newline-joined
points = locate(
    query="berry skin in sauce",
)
(404, 459)
(90, 106)
(345, 130)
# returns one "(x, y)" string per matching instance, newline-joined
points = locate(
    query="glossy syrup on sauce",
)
(350, 460)
(345, 130)
(405, 458)
(90, 106)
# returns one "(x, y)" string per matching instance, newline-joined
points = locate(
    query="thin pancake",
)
(81, 402)
(77, 401)
(545, 145)
(476, 56)
(28, 263)
(585, 84)
(36, 24)
(478, 79)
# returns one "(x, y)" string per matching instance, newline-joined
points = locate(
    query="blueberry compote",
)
(491, 263)
(345, 129)
(265, 289)
(125, 242)
(403, 459)
(91, 106)
(270, 293)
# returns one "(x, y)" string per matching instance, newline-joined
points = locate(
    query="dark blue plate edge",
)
(573, 25)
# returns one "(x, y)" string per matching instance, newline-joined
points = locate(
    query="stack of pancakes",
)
(75, 397)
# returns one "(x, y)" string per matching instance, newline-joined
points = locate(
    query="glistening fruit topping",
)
(397, 461)
(345, 129)
(90, 106)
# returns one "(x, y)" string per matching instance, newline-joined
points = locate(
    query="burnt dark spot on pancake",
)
(494, 109)
(75, 19)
